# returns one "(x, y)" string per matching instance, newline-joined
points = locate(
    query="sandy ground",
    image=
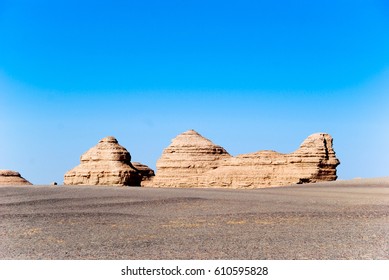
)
(337, 220)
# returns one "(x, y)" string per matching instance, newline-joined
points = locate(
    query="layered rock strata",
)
(314, 161)
(9, 177)
(193, 161)
(184, 162)
(107, 163)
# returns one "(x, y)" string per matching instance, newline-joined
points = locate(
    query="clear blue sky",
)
(249, 75)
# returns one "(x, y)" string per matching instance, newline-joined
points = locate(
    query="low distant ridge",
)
(9, 177)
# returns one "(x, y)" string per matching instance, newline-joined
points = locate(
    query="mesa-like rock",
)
(194, 161)
(9, 177)
(107, 163)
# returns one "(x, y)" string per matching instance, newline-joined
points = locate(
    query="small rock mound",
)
(107, 163)
(9, 177)
(146, 172)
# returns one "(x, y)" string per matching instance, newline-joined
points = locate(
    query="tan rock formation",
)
(9, 177)
(182, 165)
(314, 161)
(146, 172)
(185, 160)
(107, 163)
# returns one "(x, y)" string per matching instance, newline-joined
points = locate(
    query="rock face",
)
(193, 161)
(9, 177)
(183, 163)
(107, 163)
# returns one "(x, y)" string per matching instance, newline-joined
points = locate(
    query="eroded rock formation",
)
(183, 163)
(9, 177)
(193, 161)
(107, 163)
(146, 172)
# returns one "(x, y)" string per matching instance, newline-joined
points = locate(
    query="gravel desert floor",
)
(337, 220)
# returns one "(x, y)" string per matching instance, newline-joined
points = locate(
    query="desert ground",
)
(334, 220)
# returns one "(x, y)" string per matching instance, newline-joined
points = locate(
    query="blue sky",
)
(249, 75)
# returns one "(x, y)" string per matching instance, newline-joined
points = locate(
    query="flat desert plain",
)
(336, 220)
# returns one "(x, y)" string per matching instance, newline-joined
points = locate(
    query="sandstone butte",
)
(9, 177)
(107, 163)
(194, 161)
